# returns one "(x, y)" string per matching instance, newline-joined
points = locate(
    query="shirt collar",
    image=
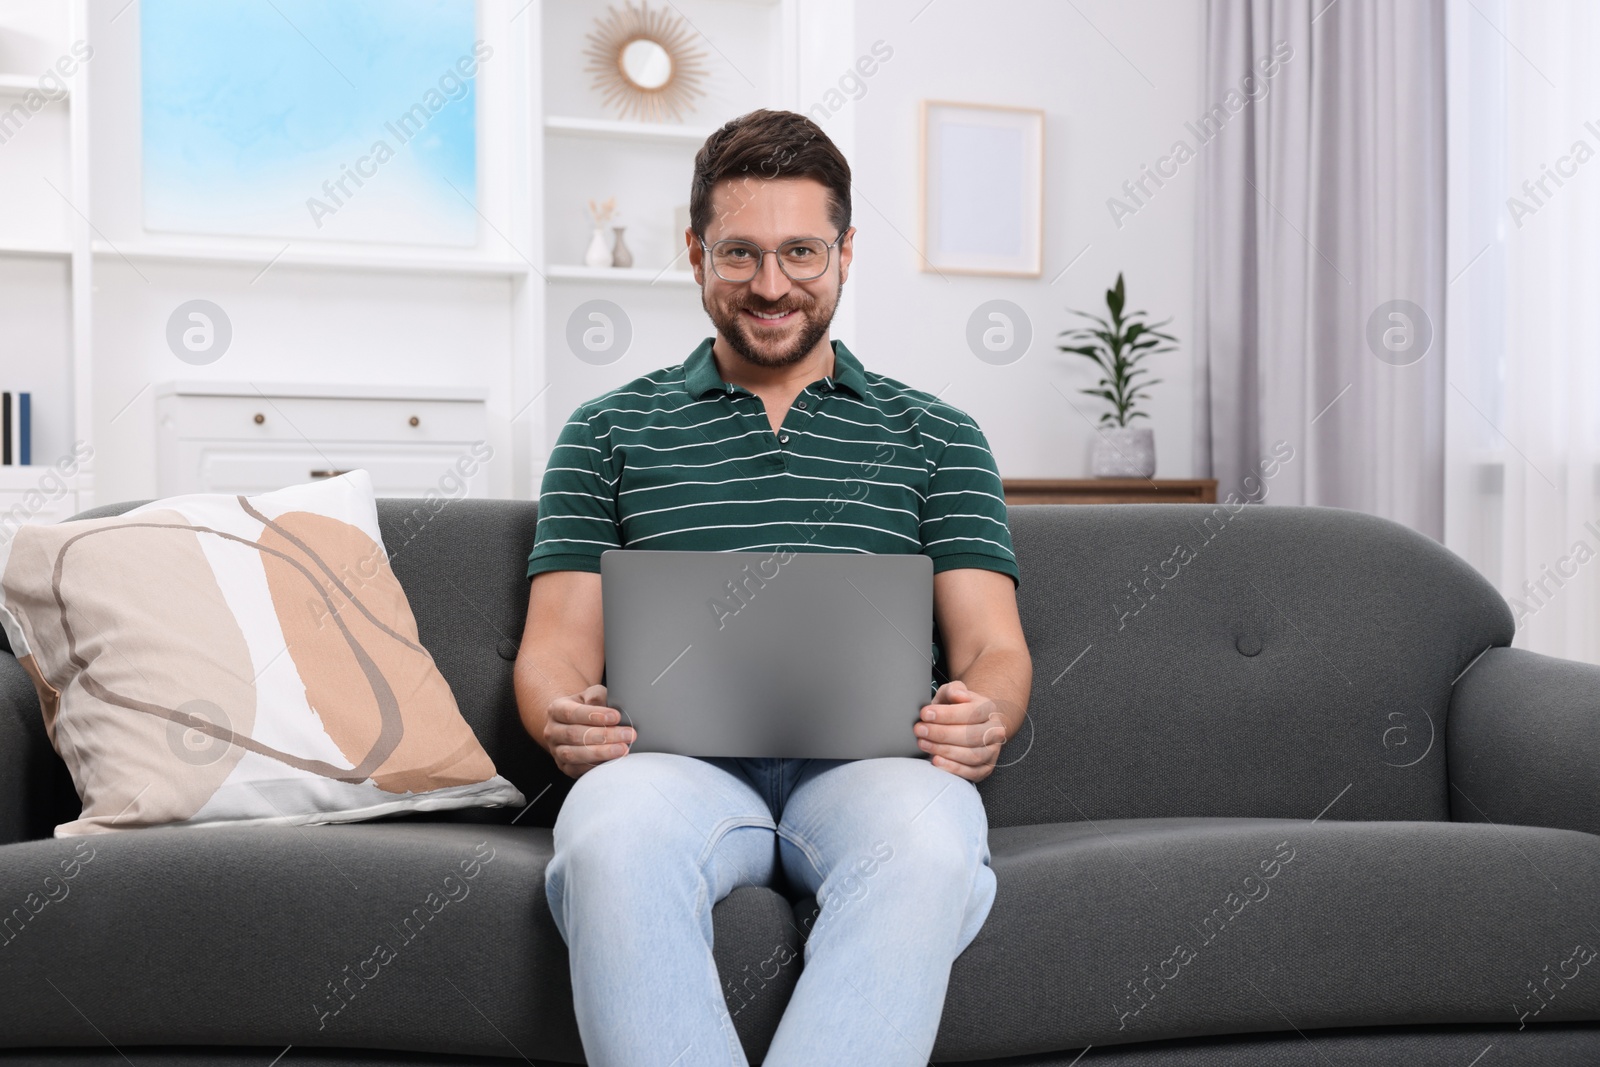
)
(700, 375)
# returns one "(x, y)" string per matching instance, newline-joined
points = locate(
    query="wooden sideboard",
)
(1110, 490)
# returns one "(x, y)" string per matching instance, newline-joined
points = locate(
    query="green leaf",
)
(1118, 347)
(1092, 318)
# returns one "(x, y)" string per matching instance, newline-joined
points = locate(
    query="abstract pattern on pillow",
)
(223, 659)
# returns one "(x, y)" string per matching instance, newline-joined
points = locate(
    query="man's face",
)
(770, 212)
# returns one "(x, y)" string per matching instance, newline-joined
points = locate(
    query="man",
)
(770, 436)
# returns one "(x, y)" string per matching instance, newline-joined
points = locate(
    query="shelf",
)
(433, 264)
(659, 132)
(49, 251)
(622, 275)
(320, 390)
(22, 83)
(15, 477)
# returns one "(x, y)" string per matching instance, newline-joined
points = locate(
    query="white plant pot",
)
(1124, 452)
(599, 254)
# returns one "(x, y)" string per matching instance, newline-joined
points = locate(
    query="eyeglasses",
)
(802, 259)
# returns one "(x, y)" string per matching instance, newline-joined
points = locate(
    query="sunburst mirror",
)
(643, 64)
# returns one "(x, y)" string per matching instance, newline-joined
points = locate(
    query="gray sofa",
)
(1286, 798)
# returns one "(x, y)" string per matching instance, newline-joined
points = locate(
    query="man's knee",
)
(941, 827)
(641, 803)
(616, 805)
(934, 856)
(931, 793)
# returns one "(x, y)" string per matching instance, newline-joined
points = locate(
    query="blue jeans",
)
(896, 851)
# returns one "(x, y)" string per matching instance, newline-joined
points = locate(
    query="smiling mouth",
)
(770, 318)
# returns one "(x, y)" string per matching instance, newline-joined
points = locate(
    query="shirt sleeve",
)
(964, 516)
(577, 504)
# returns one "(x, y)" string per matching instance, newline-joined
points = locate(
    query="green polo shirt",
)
(680, 459)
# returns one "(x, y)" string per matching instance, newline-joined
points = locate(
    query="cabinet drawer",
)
(22, 508)
(397, 470)
(319, 419)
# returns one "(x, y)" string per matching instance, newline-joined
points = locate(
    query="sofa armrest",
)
(1523, 742)
(34, 783)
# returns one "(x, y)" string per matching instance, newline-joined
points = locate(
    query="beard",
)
(794, 343)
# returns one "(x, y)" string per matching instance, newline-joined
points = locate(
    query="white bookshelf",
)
(46, 322)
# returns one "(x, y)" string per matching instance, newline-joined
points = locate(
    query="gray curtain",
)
(1321, 201)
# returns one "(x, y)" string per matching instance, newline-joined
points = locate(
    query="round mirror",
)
(645, 63)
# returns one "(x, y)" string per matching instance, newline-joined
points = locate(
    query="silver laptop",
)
(826, 656)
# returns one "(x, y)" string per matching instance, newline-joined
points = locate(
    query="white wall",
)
(1106, 115)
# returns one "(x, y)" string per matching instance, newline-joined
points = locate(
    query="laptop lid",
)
(823, 655)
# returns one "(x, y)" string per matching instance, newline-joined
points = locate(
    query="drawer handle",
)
(414, 421)
(327, 474)
(260, 418)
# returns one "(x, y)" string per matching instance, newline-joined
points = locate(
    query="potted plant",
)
(1117, 347)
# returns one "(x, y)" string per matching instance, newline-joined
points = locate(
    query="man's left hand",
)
(963, 731)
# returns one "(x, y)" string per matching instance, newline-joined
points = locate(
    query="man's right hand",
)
(581, 732)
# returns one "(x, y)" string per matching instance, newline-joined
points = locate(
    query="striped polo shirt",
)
(680, 459)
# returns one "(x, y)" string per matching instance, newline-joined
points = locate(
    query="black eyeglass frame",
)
(827, 260)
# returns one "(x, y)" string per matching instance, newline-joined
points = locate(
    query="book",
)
(16, 429)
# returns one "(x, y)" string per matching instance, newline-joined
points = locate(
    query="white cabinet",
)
(39, 494)
(251, 438)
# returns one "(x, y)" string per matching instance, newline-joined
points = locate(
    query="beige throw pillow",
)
(216, 659)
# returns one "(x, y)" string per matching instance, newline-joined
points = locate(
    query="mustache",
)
(773, 309)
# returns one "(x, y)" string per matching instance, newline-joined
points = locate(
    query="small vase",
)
(599, 254)
(621, 254)
(1124, 452)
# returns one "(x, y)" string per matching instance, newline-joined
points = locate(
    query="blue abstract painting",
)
(342, 120)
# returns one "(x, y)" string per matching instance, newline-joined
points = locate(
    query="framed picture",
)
(982, 189)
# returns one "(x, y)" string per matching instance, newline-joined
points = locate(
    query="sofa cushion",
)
(1383, 1046)
(410, 935)
(276, 936)
(1150, 929)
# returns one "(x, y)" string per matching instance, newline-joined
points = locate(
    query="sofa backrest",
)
(1188, 660)
(1264, 661)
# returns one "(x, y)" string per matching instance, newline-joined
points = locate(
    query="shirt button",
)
(801, 405)
(784, 439)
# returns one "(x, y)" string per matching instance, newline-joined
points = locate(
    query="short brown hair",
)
(767, 145)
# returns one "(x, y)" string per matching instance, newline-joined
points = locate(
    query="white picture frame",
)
(981, 202)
